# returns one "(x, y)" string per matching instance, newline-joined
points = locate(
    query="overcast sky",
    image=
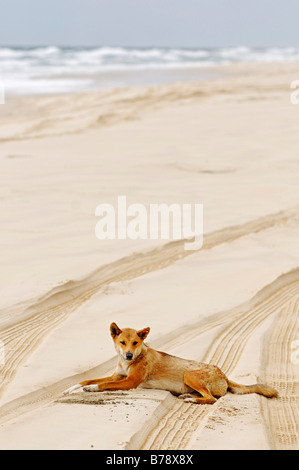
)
(150, 22)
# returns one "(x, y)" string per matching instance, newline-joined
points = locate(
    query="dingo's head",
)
(128, 342)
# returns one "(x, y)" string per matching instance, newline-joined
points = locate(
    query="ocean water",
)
(41, 70)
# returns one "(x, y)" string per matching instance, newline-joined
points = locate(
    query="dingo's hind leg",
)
(183, 396)
(193, 379)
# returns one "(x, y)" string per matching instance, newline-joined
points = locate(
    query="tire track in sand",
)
(44, 313)
(177, 426)
(174, 422)
(282, 370)
(25, 326)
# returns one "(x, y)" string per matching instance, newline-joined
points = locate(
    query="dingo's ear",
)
(143, 333)
(114, 330)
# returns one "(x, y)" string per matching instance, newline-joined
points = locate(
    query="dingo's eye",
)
(135, 342)
(123, 342)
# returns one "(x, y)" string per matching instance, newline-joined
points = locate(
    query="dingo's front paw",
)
(91, 388)
(71, 389)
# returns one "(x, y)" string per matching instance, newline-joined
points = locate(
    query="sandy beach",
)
(230, 143)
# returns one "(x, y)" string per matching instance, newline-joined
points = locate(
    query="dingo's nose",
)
(129, 356)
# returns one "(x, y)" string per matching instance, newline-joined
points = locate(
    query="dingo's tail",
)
(262, 389)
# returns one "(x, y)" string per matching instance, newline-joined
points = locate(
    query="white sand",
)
(231, 144)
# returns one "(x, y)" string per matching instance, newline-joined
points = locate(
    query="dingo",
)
(144, 367)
